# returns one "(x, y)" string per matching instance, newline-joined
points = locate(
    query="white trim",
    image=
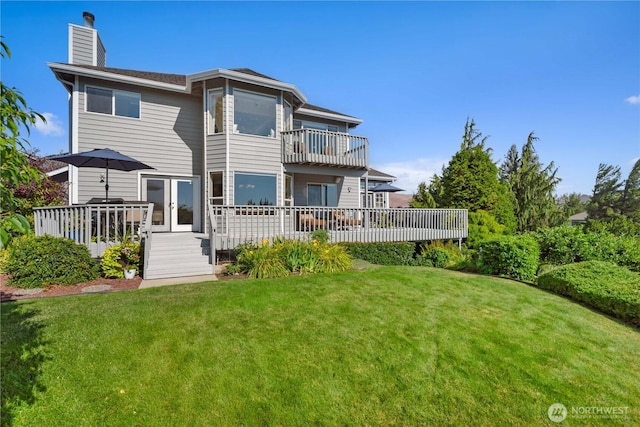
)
(104, 75)
(74, 143)
(227, 118)
(94, 59)
(332, 116)
(204, 187)
(58, 171)
(113, 101)
(246, 78)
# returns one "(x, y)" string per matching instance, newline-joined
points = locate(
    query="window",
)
(215, 188)
(113, 102)
(322, 195)
(255, 189)
(215, 111)
(254, 114)
(288, 190)
(287, 116)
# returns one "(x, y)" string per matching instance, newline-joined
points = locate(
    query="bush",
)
(37, 261)
(116, 258)
(333, 258)
(483, 226)
(610, 288)
(439, 257)
(384, 253)
(443, 254)
(510, 256)
(565, 245)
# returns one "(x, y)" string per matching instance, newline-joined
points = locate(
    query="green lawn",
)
(384, 346)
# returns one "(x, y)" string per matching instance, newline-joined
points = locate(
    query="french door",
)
(176, 202)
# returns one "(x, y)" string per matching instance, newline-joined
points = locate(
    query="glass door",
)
(176, 203)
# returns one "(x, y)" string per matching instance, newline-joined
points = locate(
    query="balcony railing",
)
(240, 224)
(319, 147)
(95, 226)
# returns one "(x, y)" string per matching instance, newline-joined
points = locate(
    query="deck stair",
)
(179, 255)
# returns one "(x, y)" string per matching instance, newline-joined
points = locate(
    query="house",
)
(234, 150)
(579, 219)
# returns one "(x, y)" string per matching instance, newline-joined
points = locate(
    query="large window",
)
(254, 189)
(288, 190)
(287, 116)
(215, 111)
(254, 114)
(113, 102)
(322, 194)
(216, 188)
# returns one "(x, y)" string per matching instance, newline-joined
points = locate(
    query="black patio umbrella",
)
(385, 188)
(103, 158)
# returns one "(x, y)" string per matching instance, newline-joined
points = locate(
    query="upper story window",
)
(287, 116)
(215, 111)
(254, 114)
(304, 124)
(113, 102)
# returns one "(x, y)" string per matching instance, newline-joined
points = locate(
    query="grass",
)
(384, 346)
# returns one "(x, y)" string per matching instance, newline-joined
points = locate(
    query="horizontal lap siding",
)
(168, 136)
(82, 45)
(346, 198)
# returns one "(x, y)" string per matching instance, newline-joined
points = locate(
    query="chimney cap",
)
(88, 19)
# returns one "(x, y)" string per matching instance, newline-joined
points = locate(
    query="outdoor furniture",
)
(343, 221)
(308, 221)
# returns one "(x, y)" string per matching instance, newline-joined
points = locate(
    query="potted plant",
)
(129, 259)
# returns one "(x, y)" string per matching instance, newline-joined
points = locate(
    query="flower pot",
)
(129, 274)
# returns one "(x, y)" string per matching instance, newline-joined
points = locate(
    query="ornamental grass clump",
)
(285, 256)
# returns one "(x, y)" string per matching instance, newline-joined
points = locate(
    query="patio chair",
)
(310, 222)
(343, 221)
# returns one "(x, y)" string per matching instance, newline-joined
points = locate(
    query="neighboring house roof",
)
(581, 216)
(374, 173)
(182, 83)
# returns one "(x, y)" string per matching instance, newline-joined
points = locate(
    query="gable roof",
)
(182, 83)
(377, 174)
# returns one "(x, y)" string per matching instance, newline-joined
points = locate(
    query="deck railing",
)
(95, 226)
(311, 146)
(240, 224)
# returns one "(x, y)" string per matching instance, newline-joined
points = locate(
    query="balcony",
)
(324, 148)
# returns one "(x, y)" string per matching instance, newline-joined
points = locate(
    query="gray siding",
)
(346, 198)
(102, 54)
(168, 136)
(82, 45)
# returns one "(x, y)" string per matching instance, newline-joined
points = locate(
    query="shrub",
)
(116, 258)
(36, 261)
(439, 257)
(483, 226)
(384, 253)
(510, 256)
(333, 258)
(320, 235)
(297, 255)
(610, 288)
(566, 245)
(4, 255)
(233, 269)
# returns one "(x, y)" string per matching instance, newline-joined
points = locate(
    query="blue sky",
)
(413, 71)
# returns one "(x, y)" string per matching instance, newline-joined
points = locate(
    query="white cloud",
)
(412, 173)
(635, 99)
(53, 126)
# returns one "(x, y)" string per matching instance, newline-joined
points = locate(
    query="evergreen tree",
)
(571, 204)
(607, 193)
(533, 188)
(630, 203)
(422, 199)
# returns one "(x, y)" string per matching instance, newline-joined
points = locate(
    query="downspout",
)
(73, 142)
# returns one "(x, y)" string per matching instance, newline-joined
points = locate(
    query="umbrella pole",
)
(106, 185)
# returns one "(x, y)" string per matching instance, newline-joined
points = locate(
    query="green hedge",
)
(566, 245)
(384, 253)
(510, 256)
(37, 261)
(611, 289)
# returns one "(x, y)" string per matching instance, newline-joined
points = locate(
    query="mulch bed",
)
(7, 292)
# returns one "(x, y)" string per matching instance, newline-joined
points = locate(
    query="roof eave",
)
(332, 116)
(58, 68)
(247, 78)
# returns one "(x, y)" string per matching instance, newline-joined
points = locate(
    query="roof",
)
(377, 174)
(181, 83)
(175, 79)
(581, 216)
